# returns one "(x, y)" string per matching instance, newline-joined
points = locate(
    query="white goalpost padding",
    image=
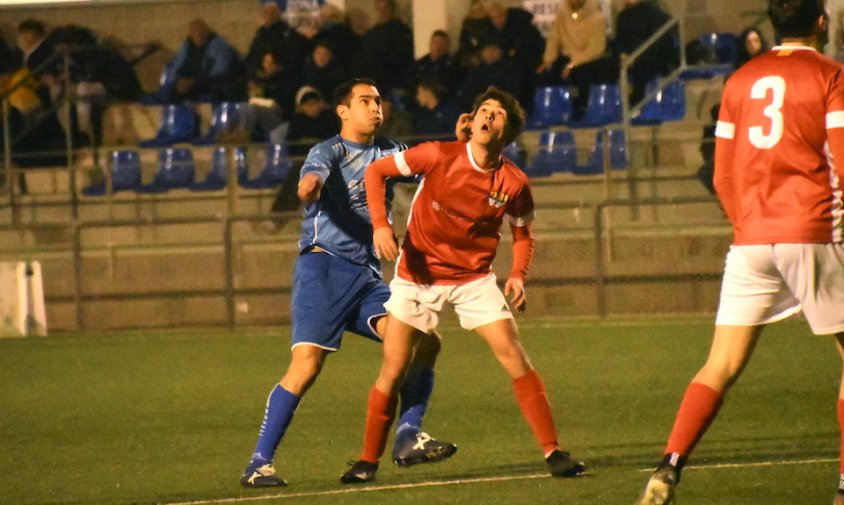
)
(22, 309)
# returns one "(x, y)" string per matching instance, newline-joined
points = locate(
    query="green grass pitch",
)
(171, 417)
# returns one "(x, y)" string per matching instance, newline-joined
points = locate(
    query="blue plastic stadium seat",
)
(175, 170)
(511, 151)
(218, 177)
(669, 104)
(178, 124)
(724, 48)
(556, 153)
(223, 119)
(618, 154)
(165, 82)
(275, 169)
(125, 173)
(552, 106)
(603, 106)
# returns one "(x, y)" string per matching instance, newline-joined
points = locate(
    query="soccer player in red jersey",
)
(467, 192)
(781, 125)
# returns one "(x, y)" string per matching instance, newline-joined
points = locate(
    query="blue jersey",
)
(339, 221)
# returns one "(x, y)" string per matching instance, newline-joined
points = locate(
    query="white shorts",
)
(476, 303)
(767, 283)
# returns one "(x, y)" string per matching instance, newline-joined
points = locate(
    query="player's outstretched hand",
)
(515, 289)
(386, 247)
(463, 128)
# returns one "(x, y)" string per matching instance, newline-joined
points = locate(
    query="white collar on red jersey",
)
(475, 165)
(796, 47)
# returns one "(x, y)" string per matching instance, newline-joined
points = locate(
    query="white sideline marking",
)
(367, 489)
(452, 482)
(751, 465)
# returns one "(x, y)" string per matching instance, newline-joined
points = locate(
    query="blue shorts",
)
(332, 295)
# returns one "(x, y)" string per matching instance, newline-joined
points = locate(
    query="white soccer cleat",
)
(660, 487)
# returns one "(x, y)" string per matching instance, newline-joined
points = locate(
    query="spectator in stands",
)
(438, 64)
(334, 30)
(398, 123)
(207, 67)
(576, 51)
(322, 70)
(493, 70)
(638, 20)
(523, 45)
(276, 36)
(311, 123)
(706, 171)
(751, 43)
(97, 73)
(270, 92)
(37, 137)
(436, 115)
(32, 41)
(385, 54)
(476, 29)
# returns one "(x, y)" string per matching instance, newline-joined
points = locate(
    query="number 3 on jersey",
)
(759, 91)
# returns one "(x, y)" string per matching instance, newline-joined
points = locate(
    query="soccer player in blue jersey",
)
(338, 285)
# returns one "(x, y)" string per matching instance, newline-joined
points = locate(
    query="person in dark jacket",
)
(335, 32)
(386, 50)
(637, 21)
(277, 37)
(207, 67)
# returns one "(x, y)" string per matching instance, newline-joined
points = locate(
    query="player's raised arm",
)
(375, 180)
(309, 188)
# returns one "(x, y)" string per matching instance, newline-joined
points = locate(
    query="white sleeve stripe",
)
(521, 220)
(402, 164)
(835, 120)
(725, 130)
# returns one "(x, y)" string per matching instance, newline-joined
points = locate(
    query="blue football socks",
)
(281, 405)
(415, 394)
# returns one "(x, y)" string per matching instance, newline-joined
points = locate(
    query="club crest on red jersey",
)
(497, 199)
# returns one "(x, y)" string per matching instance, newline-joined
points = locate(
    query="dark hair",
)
(795, 18)
(31, 25)
(440, 33)
(433, 85)
(515, 114)
(742, 56)
(343, 92)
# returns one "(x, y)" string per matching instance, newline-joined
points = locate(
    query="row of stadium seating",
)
(557, 153)
(176, 169)
(553, 106)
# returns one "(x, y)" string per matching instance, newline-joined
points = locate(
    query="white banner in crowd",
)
(22, 311)
(543, 12)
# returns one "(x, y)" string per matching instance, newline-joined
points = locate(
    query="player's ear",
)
(341, 110)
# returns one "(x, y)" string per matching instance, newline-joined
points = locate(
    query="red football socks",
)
(699, 407)
(530, 395)
(841, 425)
(380, 411)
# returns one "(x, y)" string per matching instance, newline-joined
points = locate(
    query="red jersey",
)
(782, 114)
(453, 227)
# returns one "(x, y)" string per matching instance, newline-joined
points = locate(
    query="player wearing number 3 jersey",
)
(779, 134)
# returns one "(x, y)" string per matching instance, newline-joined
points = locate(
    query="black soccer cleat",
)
(360, 472)
(561, 464)
(422, 449)
(262, 476)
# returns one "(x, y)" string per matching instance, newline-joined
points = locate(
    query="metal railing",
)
(602, 231)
